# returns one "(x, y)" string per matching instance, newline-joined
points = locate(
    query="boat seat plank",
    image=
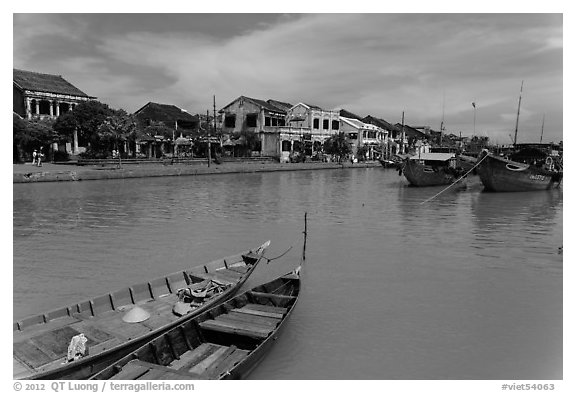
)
(264, 307)
(30, 354)
(250, 318)
(201, 367)
(245, 325)
(272, 296)
(219, 362)
(250, 311)
(226, 363)
(234, 328)
(189, 358)
(156, 372)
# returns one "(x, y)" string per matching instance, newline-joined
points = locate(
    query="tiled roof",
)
(165, 113)
(410, 130)
(313, 106)
(380, 123)
(46, 83)
(353, 122)
(350, 115)
(265, 105)
(281, 105)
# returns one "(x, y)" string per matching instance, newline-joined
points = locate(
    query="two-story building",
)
(251, 115)
(46, 96)
(37, 95)
(307, 128)
(360, 134)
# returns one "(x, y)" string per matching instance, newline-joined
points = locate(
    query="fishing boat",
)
(433, 169)
(225, 342)
(527, 169)
(394, 161)
(466, 162)
(76, 341)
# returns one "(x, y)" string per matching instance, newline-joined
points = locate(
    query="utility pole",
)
(208, 127)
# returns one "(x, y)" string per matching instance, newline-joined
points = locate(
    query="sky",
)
(431, 67)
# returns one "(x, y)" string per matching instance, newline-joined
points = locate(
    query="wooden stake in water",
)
(305, 235)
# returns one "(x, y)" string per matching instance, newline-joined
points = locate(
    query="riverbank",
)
(49, 172)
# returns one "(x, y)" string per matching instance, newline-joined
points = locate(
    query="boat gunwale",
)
(493, 171)
(41, 372)
(208, 314)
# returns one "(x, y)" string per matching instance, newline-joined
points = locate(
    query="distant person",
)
(39, 157)
(34, 155)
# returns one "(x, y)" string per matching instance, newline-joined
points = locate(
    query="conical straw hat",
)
(136, 314)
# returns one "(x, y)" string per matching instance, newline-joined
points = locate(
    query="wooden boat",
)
(77, 341)
(529, 169)
(225, 342)
(432, 169)
(466, 162)
(393, 162)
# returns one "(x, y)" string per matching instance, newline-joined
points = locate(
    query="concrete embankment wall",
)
(127, 171)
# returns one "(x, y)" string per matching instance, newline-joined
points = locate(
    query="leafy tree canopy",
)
(85, 118)
(338, 145)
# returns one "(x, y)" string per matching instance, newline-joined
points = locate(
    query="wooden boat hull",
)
(466, 162)
(502, 175)
(225, 342)
(421, 175)
(40, 342)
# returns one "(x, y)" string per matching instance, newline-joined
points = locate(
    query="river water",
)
(465, 286)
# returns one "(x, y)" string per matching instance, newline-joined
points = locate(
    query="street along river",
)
(465, 286)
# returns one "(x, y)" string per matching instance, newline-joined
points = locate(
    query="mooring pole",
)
(305, 235)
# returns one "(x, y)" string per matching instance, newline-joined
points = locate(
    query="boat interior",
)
(210, 345)
(40, 342)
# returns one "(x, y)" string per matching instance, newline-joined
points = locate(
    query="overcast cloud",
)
(427, 65)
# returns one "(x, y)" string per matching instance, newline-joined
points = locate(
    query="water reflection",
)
(437, 282)
(514, 229)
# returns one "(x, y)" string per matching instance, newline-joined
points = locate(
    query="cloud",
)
(379, 64)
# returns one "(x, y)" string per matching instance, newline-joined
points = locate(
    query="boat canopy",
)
(433, 156)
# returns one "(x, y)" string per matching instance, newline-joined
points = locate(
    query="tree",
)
(361, 152)
(32, 134)
(115, 130)
(338, 145)
(84, 120)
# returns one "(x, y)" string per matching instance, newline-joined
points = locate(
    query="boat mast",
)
(402, 135)
(442, 122)
(542, 132)
(518, 115)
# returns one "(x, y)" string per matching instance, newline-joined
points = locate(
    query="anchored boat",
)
(531, 168)
(225, 342)
(433, 169)
(77, 341)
